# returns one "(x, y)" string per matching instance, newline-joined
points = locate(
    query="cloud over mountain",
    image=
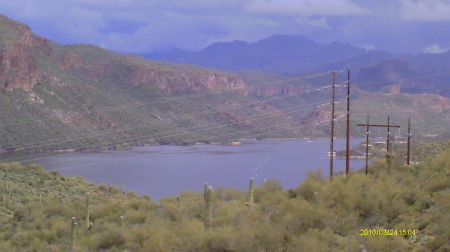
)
(136, 26)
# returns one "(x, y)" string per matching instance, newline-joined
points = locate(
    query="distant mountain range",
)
(280, 54)
(291, 55)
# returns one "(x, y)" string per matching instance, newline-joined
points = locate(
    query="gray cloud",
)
(140, 26)
(428, 11)
(306, 8)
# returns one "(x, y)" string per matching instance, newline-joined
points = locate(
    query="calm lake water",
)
(163, 171)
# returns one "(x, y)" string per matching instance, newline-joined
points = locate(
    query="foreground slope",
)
(412, 205)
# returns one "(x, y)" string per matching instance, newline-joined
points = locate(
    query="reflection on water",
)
(162, 171)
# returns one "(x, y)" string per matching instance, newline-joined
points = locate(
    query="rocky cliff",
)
(19, 67)
(133, 71)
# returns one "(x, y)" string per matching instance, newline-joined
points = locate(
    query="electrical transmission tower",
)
(388, 126)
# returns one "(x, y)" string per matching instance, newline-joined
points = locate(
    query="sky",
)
(146, 26)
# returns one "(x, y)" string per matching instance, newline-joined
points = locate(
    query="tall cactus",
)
(9, 198)
(204, 190)
(73, 224)
(88, 205)
(5, 191)
(6, 194)
(208, 208)
(121, 222)
(250, 191)
(315, 198)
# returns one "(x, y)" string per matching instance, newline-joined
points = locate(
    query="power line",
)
(143, 125)
(101, 133)
(170, 99)
(104, 162)
(211, 126)
(28, 160)
(185, 97)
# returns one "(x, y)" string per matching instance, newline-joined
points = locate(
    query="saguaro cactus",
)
(204, 190)
(121, 222)
(5, 191)
(6, 194)
(88, 205)
(73, 224)
(315, 198)
(250, 191)
(208, 208)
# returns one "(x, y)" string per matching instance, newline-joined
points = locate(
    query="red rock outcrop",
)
(21, 51)
(135, 71)
(182, 80)
(18, 68)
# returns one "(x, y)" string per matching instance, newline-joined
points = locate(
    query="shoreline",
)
(120, 147)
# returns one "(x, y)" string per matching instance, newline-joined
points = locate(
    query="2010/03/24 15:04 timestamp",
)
(387, 231)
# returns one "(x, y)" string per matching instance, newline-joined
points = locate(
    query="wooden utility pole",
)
(389, 157)
(347, 149)
(408, 152)
(367, 145)
(388, 140)
(333, 93)
(388, 147)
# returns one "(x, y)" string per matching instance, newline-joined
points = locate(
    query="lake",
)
(163, 171)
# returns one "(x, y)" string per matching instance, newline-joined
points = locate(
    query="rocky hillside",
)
(21, 50)
(131, 70)
(82, 97)
(426, 73)
(430, 114)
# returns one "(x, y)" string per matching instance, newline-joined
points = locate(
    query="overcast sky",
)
(142, 26)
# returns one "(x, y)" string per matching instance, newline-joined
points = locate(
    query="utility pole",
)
(333, 93)
(347, 149)
(367, 145)
(408, 152)
(388, 140)
(389, 157)
(388, 147)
